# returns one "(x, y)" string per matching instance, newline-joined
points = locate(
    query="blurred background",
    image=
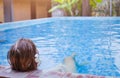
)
(17, 10)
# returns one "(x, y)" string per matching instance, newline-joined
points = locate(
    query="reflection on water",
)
(115, 43)
(96, 43)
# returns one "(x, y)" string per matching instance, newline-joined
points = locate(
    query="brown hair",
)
(21, 56)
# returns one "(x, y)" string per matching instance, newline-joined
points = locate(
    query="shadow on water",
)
(2, 40)
(2, 37)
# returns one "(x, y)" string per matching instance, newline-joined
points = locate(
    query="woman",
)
(23, 55)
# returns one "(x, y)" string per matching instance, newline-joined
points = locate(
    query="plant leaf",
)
(58, 7)
(59, 1)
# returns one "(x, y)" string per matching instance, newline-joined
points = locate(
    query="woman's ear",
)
(37, 59)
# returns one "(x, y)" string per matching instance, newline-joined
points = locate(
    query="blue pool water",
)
(96, 41)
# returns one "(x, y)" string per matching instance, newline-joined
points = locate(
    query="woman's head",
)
(21, 56)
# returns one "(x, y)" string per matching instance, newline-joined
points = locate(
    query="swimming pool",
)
(95, 40)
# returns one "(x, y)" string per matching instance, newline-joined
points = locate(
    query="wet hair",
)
(21, 55)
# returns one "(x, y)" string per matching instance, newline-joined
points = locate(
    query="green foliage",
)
(64, 4)
(104, 8)
(116, 7)
(72, 7)
(94, 3)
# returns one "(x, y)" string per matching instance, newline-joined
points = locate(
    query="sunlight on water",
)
(96, 43)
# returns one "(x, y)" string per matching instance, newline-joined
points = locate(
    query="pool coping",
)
(24, 23)
(8, 73)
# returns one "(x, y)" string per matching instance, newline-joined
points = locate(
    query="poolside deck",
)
(6, 72)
